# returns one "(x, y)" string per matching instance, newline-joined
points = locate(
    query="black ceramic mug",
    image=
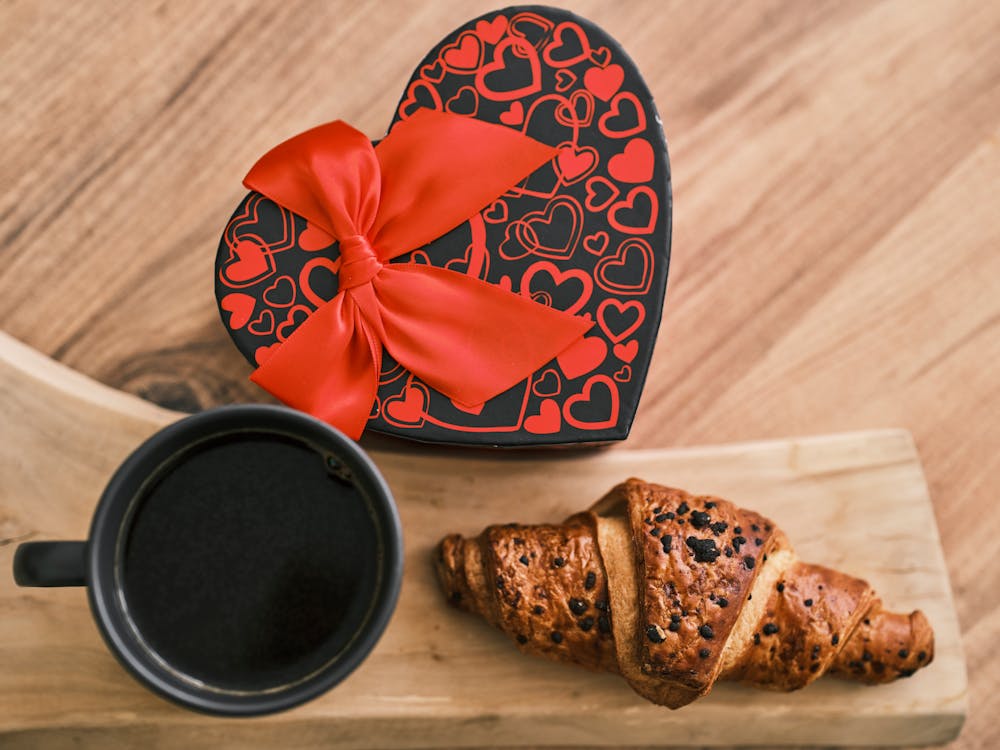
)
(241, 561)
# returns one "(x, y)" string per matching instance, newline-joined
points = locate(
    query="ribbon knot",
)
(358, 261)
(465, 338)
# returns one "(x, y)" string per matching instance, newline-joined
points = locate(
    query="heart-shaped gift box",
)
(587, 232)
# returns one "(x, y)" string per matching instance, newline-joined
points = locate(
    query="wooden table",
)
(836, 251)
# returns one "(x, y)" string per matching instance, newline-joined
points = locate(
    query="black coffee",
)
(248, 563)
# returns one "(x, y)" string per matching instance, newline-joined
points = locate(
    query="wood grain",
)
(835, 265)
(426, 684)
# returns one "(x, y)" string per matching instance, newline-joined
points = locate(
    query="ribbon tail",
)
(466, 338)
(328, 368)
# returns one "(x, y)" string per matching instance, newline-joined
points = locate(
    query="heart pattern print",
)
(587, 233)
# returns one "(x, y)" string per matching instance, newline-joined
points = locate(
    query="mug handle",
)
(50, 564)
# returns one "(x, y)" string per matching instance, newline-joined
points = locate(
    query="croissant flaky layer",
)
(675, 591)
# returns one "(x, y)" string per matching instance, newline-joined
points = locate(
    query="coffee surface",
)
(248, 564)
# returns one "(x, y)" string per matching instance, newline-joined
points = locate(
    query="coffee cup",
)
(240, 562)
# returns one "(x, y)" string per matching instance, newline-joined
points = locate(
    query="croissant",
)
(675, 591)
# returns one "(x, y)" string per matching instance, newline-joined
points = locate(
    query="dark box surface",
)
(588, 233)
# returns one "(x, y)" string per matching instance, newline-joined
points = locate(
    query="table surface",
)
(836, 256)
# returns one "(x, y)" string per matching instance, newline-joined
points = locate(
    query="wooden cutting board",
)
(441, 678)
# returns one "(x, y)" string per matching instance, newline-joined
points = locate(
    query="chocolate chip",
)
(523, 559)
(906, 672)
(654, 532)
(682, 509)
(921, 656)
(754, 527)
(660, 518)
(808, 602)
(729, 552)
(670, 515)
(737, 541)
(675, 617)
(657, 509)
(781, 587)
(710, 505)
(674, 626)
(704, 549)
(866, 656)
(867, 621)
(814, 668)
(748, 562)
(835, 640)
(601, 605)
(903, 653)
(699, 519)
(722, 602)
(604, 624)
(518, 540)
(539, 609)
(815, 651)
(706, 632)
(704, 653)
(521, 639)
(770, 628)
(756, 639)
(738, 529)
(590, 581)
(558, 562)
(586, 624)
(577, 606)
(655, 634)
(556, 636)
(666, 541)
(680, 521)
(758, 541)
(718, 527)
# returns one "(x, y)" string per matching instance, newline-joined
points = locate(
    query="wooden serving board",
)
(439, 677)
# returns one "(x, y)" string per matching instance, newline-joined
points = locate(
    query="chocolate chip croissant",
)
(674, 592)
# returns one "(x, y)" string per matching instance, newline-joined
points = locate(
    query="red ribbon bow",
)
(466, 338)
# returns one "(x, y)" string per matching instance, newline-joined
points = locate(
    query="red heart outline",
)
(628, 204)
(603, 122)
(249, 262)
(333, 266)
(495, 213)
(622, 307)
(621, 260)
(613, 192)
(559, 277)
(596, 243)
(541, 386)
(240, 307)
(573, 164)
(585, 397)
(557, 42)
(547, 421)
(623, 375)
(459, 100)
(410, 103)
(567, 113)
(296, 317)
(519, 48)
(527, 238)
(565, 80)
(282, 289)
(263, 324)
(533, 19)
